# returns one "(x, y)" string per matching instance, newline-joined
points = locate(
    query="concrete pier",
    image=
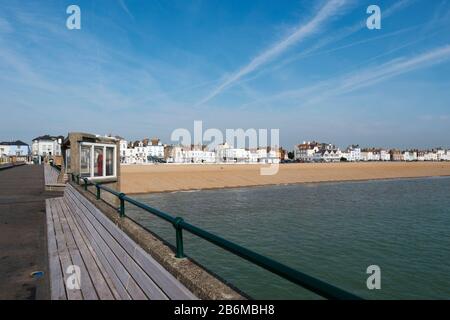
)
(23, 242)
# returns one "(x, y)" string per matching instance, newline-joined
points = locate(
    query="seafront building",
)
(227, 154)
(305, 152)
(353, 153)
(141, 152)
(150, 151)
(46, 145)
(313, 151)
(410, 156)
(12, 151)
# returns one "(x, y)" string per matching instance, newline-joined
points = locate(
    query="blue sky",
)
(310, 68)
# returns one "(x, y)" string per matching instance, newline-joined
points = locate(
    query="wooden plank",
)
(116, 286)
(120, 293)
(171, 286)
(63, 252)
(87, 288)
(152, 290)
(107, 258)
(117, 259)
(57, 290)
(100, 280)
(50, 175)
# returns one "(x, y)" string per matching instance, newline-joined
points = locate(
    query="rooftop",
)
(13, 143)
(48, 137)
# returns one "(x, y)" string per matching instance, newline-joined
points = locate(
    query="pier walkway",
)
(23, 241)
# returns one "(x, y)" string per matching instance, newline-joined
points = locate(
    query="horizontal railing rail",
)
(55, 166)
(310, 283)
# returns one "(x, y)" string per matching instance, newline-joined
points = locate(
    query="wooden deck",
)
(111, 264)
(51, 179)
(50, 174)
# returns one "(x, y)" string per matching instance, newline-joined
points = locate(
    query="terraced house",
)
(14, 151)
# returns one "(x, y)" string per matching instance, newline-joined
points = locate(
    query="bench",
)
(51, 179)
(111, 264)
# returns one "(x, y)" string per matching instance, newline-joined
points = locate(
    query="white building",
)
(410, 156)
(193, 154)
(14, 149)
(200, 156)
(441, 155)
(225, 153)
(141, 152)
(430, 156)
(353, 153)
(4, 150)
(306, 151)
(370, 155)
(328, 156)
(46, 145)
(266, 156)
(385, 155)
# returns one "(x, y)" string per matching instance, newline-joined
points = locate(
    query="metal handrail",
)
(310, 283)
(55, 166)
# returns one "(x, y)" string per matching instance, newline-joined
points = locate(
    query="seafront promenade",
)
(23, 243)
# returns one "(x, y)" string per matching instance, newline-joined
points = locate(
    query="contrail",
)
(394, 68)
(342, 34)
(125, 8)
(360, 79)
(299, 34)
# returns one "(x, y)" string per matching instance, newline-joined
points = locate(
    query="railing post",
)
(122, 205)
(179, 237)
(85, 183)
(98, 191)
(78, 178)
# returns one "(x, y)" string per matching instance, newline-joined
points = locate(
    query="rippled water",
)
(332, 231)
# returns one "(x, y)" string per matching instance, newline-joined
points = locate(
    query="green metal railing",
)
(317, 286)
(55, 166)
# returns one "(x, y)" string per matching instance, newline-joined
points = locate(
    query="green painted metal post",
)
(122, 205)
(98, 191)
(179, 237)
(85, 183)
(78, 179)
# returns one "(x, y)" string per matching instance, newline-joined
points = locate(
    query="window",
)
(85, 161)
(101, 163)
(98, 161)
(68, 159)
(109, 161)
